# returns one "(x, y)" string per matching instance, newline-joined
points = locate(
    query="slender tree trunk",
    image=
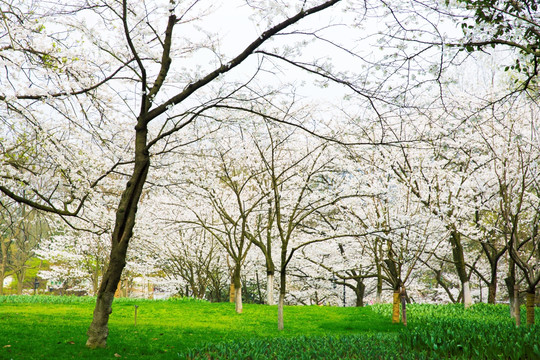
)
(280, 311)
(270, 288)
(95, 281)
(20, 280)
(531, 295)
(517, 307)
(459, 261)
(396, 283)
(237, 290)
(395, 307)
(238, 299)
(232, 294)
(467, 299)
(122, 233)
(281, 303)
(259, 293)
(378, 295)
(3, 273)
(510, 285)
(492, 286)
(403, 295)
(359, 291)
(510, 282)
(492, 290)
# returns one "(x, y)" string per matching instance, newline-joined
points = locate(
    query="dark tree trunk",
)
(530, 303)
(493, 258)
(510, 282)
(459, 262)
(492, 291)
(359, 290)
(123, 231)
(99, 330)
(281, 303)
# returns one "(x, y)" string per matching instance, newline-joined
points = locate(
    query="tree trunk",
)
(282, 291)
(517, 308)
(459, 262)
(378, 295)
(492, 291)
(510, 283)
(359, 291)
(403, 306)
(95, 281)
(467, 299)
(270, 289)
(122, 233)
(232, 294)
(492, 286)
(531, 294)
(99, 329)
(395, 307)
(20, 280)
(260, 300)
(2, 275)
(238, 299)
(237, 289)
(280, 325)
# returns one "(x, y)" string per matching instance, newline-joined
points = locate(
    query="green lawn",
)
(165, 328)
(55, 327)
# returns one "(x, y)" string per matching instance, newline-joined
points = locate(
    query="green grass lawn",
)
(165, 328)
(54, 328)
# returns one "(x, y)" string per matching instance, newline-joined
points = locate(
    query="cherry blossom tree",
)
(510, 137)
(154, 69)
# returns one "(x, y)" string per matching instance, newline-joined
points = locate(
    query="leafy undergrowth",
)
(434, 332)
(479, 332)
(380, 346)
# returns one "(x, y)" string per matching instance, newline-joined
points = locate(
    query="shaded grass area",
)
(165, 329)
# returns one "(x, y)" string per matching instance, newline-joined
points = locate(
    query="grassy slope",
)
(164, 329)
